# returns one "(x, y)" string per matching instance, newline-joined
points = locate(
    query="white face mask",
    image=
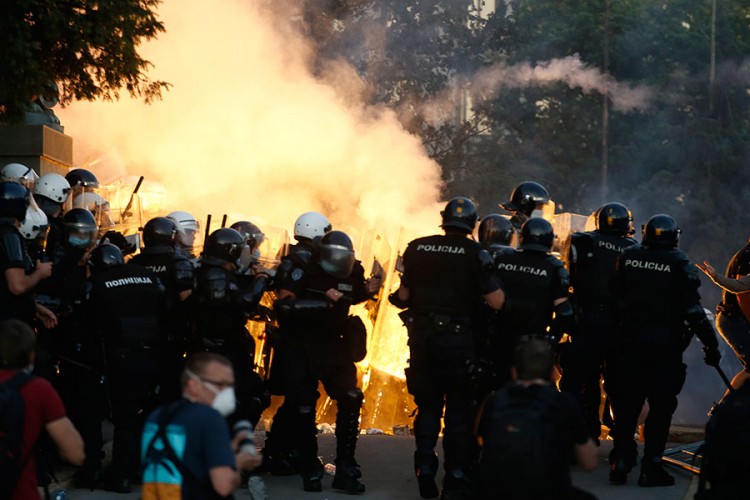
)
(224, 402)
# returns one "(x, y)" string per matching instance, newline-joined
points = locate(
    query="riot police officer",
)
(221, 308)
(176, 273)
(496, 233)
(19, 277)
(656, 289)
(445, 278)
(591, 260)
(313, 312)
(527, 197)
(124, 310)
(51, 192)
(537, 286)
(280, 454)
(188, 228)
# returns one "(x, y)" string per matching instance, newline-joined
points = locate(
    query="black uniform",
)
(221, 308)
(592, 262)
(656, 291)
(13, 255)
(314, 350)
(177, 274)
(446, 277)
(533, 280)
(124, 310)
(730, 321)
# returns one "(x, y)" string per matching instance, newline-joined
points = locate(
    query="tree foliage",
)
(88, 47)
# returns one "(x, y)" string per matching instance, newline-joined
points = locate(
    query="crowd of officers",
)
(113, 334)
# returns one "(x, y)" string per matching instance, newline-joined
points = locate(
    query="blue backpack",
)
(11, 432)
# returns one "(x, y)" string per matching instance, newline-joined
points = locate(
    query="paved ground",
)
(386, 464)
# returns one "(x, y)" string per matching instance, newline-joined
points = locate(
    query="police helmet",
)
(17, 172)
(309, 225)
(160, 231)
(14, 200)
(80, 227)
(222, 246)
(53, 187)
(187, 227)
(336, 254)
(250, 231)
(460, 213)
(526, 197)
(495, 229)
(537, 234)
(614, 218)
(105, 256)
(661, 231)
(34, 224)
(80, 177)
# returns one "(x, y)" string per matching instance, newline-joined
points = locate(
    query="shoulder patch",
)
(297, 274)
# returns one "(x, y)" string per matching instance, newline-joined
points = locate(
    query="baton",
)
(724, 378)
(126, 213)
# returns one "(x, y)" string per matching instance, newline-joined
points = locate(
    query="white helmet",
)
(311, 224)
(17, 172)
(34, 223)
(53, 186)
(97, 205)
(187, 227)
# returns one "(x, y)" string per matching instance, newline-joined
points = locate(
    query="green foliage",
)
(88, 47)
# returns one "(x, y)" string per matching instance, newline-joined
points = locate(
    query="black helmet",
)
(14, 200)
(537, 234)
(661, 231)
(80, 227)
(614, 218)
(105, 256)
(160, 231)
(336, 254)
(526, 197)
(222, 246)
(460, 213)
(80, 177)
(495, 229)
(250, 231)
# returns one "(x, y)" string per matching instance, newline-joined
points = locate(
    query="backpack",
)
(11, 432)
(517, 431)
(725, 465)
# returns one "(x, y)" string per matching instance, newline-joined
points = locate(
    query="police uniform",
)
(446, 277)
(732, 324)
(657, 292)
(125, 309)
(13, 255)
(315, 350)
(177, 274)
(221, 308)
(533, 280)
(592, 262)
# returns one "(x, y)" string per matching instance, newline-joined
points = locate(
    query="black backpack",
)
(11, 432)
(517, 431)
(725, 466)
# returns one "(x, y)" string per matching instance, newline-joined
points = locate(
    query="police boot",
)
(347, 477)
(456, 486)
(619, 467)
(653, 474)
(312, 474)
(426, 467)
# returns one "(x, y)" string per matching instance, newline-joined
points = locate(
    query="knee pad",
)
(351, 400)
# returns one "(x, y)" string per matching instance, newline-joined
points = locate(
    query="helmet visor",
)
(337, 260)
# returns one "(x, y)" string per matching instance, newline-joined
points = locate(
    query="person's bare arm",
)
(19, 282)
(224, 480)
(739, 285)
(68, 440)
(586, 454)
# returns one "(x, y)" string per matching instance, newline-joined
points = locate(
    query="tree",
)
(88, 47)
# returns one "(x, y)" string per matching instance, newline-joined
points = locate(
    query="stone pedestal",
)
(37, 146)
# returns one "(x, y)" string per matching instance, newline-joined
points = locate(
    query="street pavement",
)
(386, 463)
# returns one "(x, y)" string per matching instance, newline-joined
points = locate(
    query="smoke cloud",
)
(248, 130)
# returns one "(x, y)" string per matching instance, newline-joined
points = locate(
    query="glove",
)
(118, 240)
(711, 356)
